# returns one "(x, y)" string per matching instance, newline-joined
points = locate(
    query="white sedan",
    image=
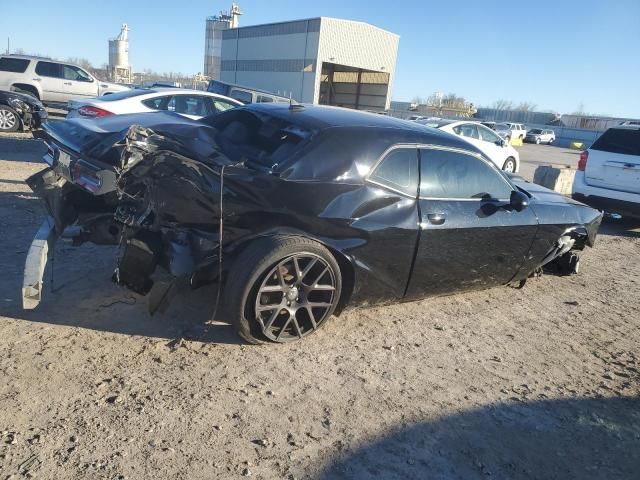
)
(194, 104)
(498, 150)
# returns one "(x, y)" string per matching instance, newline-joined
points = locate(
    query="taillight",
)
(93, 112)
(582, 163)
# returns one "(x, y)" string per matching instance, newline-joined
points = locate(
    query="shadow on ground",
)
(560, 439)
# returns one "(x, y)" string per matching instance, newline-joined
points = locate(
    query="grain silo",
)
(119, 68)
(213, 39)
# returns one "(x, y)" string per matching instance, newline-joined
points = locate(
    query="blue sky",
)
(557, 54)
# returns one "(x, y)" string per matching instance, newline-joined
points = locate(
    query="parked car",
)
(244, 94)
(190, 103)
(52, 82)
(497, 149)
(491, 125)
(518, 130)
(608, 175)
(20, 112)
(503, 131)
(539, 135)
(297, 211)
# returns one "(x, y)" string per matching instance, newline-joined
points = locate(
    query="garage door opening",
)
(350, 87)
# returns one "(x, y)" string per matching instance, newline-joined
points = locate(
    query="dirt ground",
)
(538, 383)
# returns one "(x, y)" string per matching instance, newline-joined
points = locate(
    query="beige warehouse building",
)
(318, 60)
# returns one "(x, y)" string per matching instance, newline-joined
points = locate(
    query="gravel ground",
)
(542, 382)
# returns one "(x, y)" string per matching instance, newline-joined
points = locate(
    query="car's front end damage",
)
(104, 194)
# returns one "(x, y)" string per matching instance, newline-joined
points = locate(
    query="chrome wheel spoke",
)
(284, 327)
(296, 325)
(296, 265)
(319, 304)
(272, 319)
(324, 270)
(308, 269)
(312, 317)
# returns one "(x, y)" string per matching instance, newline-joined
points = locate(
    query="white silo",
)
(213, 39)
(119, 67)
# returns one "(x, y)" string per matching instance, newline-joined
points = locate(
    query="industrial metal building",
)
(322, 60)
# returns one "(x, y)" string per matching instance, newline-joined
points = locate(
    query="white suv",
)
(608, 174)
(51, 81)
(518, 130)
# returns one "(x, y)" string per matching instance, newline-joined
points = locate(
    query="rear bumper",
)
(611, 201)
(37, 259)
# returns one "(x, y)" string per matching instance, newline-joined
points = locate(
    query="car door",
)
(78, 83)
(470, 238)
(51, 78)
(386, 208)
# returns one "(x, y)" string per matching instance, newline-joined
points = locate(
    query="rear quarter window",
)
(15, 65)
(619, 140)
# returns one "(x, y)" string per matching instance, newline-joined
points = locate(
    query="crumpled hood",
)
(94, 138)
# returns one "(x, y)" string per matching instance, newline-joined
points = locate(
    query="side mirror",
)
(519, 201)
(500, 142)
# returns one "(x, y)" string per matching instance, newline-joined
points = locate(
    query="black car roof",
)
(320, 117)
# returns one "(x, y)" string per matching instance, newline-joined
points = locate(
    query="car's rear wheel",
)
(9, 121)
(282, 289)
(509, 165)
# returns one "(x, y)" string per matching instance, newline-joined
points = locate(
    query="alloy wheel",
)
(509, 166)
(7, 120)
(295, 297)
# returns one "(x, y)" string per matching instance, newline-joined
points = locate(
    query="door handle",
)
(36, 79)
(436, 218)
(67, 83)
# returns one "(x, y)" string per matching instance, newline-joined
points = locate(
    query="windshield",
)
(502, 126)
(535, 131)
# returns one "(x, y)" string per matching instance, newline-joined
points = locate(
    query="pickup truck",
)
(54, 83)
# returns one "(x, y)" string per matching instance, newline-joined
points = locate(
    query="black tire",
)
(9, 119)
(508, 139)
(506, 167)
(270, 259)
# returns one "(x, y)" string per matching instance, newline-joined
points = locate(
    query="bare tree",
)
(502, 104)
(526, 107)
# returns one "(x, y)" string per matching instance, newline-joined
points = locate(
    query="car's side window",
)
(221, 105)
(487, 135)
(49, 69)
(188, 105)
(398, 171)
(74, 73)
(467, 130)
(455, 175)
(157, 103)
(241, 95)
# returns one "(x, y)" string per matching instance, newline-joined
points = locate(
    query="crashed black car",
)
(19, 111)
(297, 211)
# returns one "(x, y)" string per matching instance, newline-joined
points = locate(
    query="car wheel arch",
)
(24, 87)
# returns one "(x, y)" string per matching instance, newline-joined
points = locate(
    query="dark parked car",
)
(297, 211)
(19, 111)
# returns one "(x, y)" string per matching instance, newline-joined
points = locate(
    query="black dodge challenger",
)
(296, 211)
